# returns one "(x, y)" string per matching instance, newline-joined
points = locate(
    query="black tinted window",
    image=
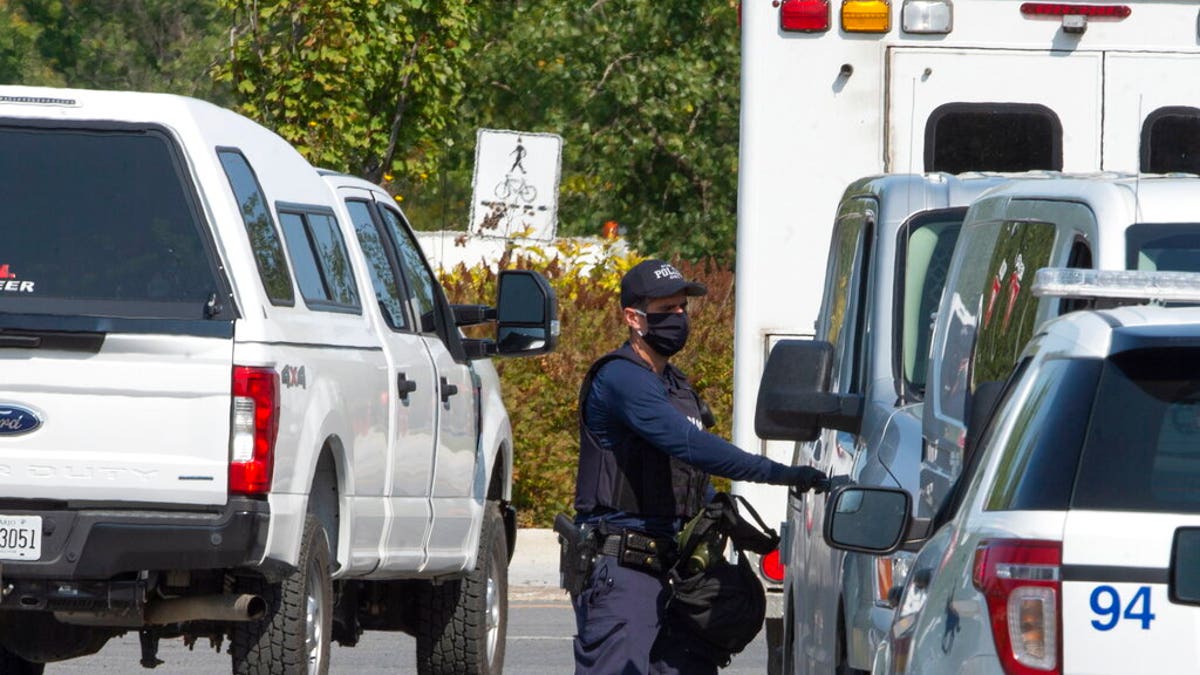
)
(101, 223)
(268, 252)
(1168, 247)
(992, 137)
(1171, 141)
(383, 279)
(319, 260)
(1142, 451)
(1038, 463)
(421, 283)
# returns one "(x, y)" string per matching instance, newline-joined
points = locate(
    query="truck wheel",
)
(293, 636)
(11, 664)
(462, 623)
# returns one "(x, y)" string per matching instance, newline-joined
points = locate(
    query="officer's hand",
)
(807, 478)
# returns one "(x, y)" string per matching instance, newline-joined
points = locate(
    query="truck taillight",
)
(253, 429)
(1023, 586)
(804, 16)
(772, 566)
(1065, 9)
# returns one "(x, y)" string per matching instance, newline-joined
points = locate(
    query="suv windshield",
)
(99, 223)
(1142, 450)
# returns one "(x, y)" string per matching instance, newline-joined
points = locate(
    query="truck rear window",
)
(1142, 449)
(98, 223)
(1171, 247)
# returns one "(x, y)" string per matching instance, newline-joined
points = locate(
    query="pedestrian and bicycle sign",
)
(515, 188)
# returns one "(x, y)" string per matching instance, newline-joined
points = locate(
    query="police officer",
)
(644, 465)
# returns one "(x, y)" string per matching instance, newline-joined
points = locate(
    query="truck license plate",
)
(20, 537)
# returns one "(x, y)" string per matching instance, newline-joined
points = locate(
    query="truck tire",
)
(462, 623)
(11, 664)
(293, 636)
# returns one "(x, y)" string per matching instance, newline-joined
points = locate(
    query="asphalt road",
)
(540, 628)
(539, 643)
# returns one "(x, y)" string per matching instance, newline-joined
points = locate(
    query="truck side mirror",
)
(867, 519)
(526, 314)
(794, 402)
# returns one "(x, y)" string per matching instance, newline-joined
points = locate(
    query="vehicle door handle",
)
(405, 386)
(448, 390)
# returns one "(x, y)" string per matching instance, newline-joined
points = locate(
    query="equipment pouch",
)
(576, 556)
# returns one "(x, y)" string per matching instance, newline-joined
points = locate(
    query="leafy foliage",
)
(645, 95)
(362, 86)
(541, 394)
(147, 45)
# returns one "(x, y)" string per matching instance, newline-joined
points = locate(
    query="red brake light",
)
(1061, 9)
(253, 429)
(804, 16)
(772, 566)
(1023, 586)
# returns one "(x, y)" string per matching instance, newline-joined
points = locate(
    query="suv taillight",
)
(1022, 583)
(253, 429)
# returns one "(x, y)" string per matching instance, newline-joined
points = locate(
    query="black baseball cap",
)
(655, 279)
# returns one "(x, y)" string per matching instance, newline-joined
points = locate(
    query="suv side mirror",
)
(867, 519)
(794, 402)
(526, 314)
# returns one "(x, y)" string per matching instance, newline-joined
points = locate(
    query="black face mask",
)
(667, 332)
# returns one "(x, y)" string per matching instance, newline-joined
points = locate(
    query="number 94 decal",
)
(1106, 603)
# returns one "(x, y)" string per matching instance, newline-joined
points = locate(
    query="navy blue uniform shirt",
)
(627, 398)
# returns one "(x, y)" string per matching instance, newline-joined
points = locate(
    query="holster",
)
(577, 554)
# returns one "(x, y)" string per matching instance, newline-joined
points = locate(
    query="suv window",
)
(379, 264)
(1142, 451)
(993, 137)
(927, 246)
(264, 240)
(842, 310)
(319, 258)
(421, 284)
(1037, 464)
(1163, 246)
(100, 223)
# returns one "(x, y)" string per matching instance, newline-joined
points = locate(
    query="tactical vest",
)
(634, 476)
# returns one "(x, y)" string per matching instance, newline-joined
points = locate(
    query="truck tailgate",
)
(145, 419)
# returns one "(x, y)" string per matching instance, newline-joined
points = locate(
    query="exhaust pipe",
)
(244, 607)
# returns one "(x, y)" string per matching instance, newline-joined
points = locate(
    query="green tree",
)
(145, 45)
(645, 95)
(363, 86)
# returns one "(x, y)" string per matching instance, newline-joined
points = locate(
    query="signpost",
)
(515, 188)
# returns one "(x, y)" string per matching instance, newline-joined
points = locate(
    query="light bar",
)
(1063, 9)
(866, 16)
(927, 17)
(1063, 282)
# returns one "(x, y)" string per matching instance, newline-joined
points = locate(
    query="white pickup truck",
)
(235, 403)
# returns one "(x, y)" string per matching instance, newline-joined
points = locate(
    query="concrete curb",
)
(535, 561)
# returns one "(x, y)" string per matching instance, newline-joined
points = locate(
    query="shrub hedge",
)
(541, 393)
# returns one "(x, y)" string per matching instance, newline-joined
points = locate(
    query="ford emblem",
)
(15, 420)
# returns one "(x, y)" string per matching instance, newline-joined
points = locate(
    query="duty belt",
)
(639, 551)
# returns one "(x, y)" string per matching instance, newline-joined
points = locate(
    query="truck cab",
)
(892, 244)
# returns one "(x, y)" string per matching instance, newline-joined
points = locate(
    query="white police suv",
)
(1071, 542)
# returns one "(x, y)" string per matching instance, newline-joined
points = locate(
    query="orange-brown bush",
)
(541, 393)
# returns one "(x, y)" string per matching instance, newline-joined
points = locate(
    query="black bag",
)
(721, 605)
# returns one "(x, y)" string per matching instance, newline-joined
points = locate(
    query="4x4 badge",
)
(16, 420)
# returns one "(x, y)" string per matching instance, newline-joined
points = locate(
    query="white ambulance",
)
(835, 90)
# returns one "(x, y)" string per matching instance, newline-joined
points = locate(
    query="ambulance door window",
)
(1171, 141)
(993, 137)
